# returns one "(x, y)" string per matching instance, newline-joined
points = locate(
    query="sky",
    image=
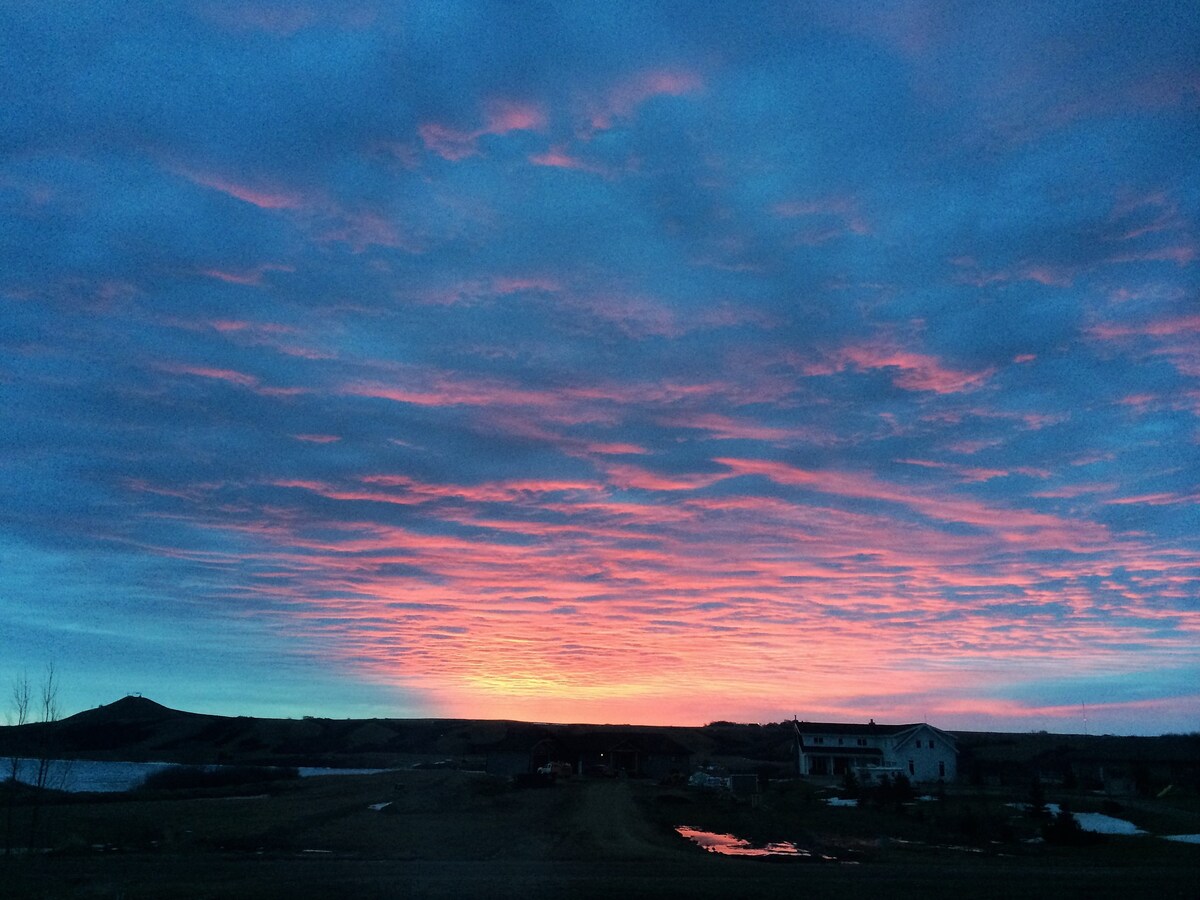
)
(605, 361)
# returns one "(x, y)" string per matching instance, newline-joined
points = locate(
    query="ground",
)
(458, 834)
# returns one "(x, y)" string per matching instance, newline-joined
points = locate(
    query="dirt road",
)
(605, 822)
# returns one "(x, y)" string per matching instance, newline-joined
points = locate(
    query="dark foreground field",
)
(458, 834)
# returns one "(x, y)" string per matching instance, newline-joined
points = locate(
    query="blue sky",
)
(604, 361)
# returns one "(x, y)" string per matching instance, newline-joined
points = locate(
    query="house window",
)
(941, 770)
(862, 742)
(839, 742)
(818, 740)
(912, 768)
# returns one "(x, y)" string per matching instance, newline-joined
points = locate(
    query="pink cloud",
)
(446, 390)
(637, 317)
(615, 448)
(911, 371)
(520, 284)
(970, 448)
(1047, 275)
(947, 508)
(317, 438)
(726, 427)
(1139, 215)
(1160, 499)
(248, 279)
(280, 338)
(1173, 327)
(264, 197)
(1180, 254)
(501, 117)
(226, 326)
(1042, 273)
(473, 291)
(1176, 338)
(843, 213)
(449, 143)
(625, 476)
(666, 584)
(363, 228)
(328, 219)
(966, 473)
(558, 158)
(622, 101)
(252, 277)
(229, 375)
(504, 116)
(1070, 492)
(1013, 710)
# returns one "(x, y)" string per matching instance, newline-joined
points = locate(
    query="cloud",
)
(620, 101)
(912, 371)
(501, 117)
(263, 197)
(469, 362)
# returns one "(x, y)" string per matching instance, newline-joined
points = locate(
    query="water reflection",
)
(731, 845)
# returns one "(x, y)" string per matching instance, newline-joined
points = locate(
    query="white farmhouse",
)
(921, 752)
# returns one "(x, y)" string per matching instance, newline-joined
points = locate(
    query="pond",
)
(731, 845)
(89, 775)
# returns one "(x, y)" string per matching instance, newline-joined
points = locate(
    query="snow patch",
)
(1098, 823)
(1102, 824)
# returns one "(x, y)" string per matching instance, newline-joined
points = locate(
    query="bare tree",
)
(22, 697)
(36, 743)
(48, 711)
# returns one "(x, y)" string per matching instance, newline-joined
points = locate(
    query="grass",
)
(449, 833)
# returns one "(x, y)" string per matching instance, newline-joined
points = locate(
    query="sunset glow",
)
(605, 362)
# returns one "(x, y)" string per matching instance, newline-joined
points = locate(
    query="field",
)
(463, 834)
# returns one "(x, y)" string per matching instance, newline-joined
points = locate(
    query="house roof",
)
(855, 729)
(849, 728)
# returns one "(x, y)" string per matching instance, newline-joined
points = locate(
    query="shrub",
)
(1064, 829)
(850, 785)
(178, 778)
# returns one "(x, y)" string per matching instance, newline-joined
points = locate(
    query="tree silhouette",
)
(36, 712)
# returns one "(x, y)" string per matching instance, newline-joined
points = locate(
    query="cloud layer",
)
(605, 362)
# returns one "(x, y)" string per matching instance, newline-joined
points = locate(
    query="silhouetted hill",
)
(127, 709)
(1096, 761)
(137, 728)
